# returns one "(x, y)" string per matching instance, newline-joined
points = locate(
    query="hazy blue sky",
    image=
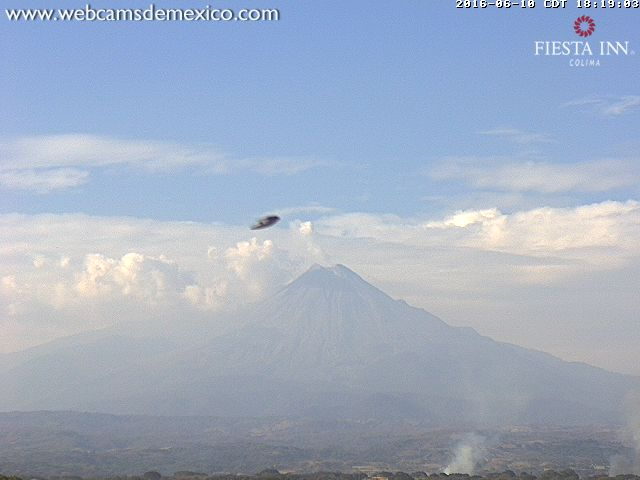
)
(429, 147)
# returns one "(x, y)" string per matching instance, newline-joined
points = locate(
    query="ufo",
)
(265, 222)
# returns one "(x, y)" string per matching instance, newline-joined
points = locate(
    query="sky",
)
(424, 146)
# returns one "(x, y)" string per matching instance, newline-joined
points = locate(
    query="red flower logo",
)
(584, 26)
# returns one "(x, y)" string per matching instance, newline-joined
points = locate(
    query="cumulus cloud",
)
(465, 218)
(97, 280)
(245, 254)
(485, 268)
(61, 274)
(542, 231)
(56, 162)
(151, 280)
(529, 176)
(306, 229)
(212, 253)
(544, 244)
(258, 265)
(208, 298)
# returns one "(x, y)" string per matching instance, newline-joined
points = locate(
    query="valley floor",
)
(66, 444)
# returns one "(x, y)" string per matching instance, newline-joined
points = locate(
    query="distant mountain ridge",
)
(328, 345)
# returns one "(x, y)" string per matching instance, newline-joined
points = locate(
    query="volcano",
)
(328, 345)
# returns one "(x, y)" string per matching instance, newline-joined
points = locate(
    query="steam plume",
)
(468, 455)
(620, 464)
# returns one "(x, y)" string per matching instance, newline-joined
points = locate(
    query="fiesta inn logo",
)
(584, 26)
(582, 53)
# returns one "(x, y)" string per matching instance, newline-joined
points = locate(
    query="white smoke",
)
(469, 454)
(620, 464)
(305, 242)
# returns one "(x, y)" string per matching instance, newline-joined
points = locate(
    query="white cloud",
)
(79, 150)
(536, 231)
(212, 253)
(610, 105)
(529, 176)
(280, 166)
(515, 135)
(623, 105)
(258, 267)
(152, 281)
(527, 276)
(39, 261)
(8, 284)
(466, 218)
(44, 180)
(306, 229)
(581, 232)
(366, 225)
(308, 209)
(244, 254)
(55, 162)
(62, 274)
(537, 246)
